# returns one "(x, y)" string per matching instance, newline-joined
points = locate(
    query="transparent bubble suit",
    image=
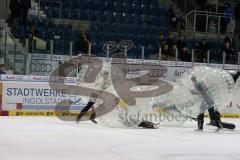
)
(217, 87)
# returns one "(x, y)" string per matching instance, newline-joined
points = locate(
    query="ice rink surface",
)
(41, 138)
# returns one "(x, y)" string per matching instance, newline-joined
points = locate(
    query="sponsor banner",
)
(60, 58)
(39, 78)
(134, 61)
(151, 62)
(230, 67)
(35, 56)
(168, 63)
(14, 77)
(184, 64)
(43, 67)
(200, 64)
(42, 113)
(173, 73)
(37, 96)
(220, 66)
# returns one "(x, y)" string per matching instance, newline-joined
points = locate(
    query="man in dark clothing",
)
(230, 38)
(160, 40)
(83, 44)
(182, 50)
(15, 8)
(167, 54)
(172, 17)
(33, 32)
(202, 50)
(170, 41)
(25, 5)
(230, 56)
(204, 47)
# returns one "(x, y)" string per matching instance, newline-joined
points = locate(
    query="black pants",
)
(214, 116)
(24, 16)
(85, 110)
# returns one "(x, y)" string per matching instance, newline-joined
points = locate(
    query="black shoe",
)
(93, 120)
(200, 120)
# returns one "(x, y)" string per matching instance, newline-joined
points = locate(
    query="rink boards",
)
(32, 96)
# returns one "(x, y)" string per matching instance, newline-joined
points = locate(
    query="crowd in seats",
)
(201, 47)
(140, 21)
(117, 20)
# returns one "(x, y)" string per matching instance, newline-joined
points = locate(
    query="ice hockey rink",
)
(38, 138)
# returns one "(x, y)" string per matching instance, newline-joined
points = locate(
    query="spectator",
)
(182, 49)
(170, 41)
(221, 7)
(210, 7)
(230, 38)
(166, 53)
(200, 50)
(15, 8)
(203, 50)
(172, 17)
(181, 24)
(32, 33)
(237, 14)
(230, 56)
(83, 44)
(25, 5)
(3, 69)
(160, 40)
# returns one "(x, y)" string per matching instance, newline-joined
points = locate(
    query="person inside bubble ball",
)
(207, 104)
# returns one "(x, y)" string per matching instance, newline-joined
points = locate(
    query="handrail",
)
(206, 12)
(191, 19)
(9, 33)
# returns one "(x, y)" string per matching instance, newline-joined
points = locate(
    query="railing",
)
(11, 53)
(186, 5)
(207, 22)
(44, 64)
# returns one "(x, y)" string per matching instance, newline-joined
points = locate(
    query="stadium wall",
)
(32, 96)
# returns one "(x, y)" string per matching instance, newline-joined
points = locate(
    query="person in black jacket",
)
(230, 55)
(25, 6)
(15, 8)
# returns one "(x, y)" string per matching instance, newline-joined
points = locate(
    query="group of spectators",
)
(171, 45)
(19, 13)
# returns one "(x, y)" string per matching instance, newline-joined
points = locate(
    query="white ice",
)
(41, 138)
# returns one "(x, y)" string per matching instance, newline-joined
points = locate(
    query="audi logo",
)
(41, 67)
(156, 73)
